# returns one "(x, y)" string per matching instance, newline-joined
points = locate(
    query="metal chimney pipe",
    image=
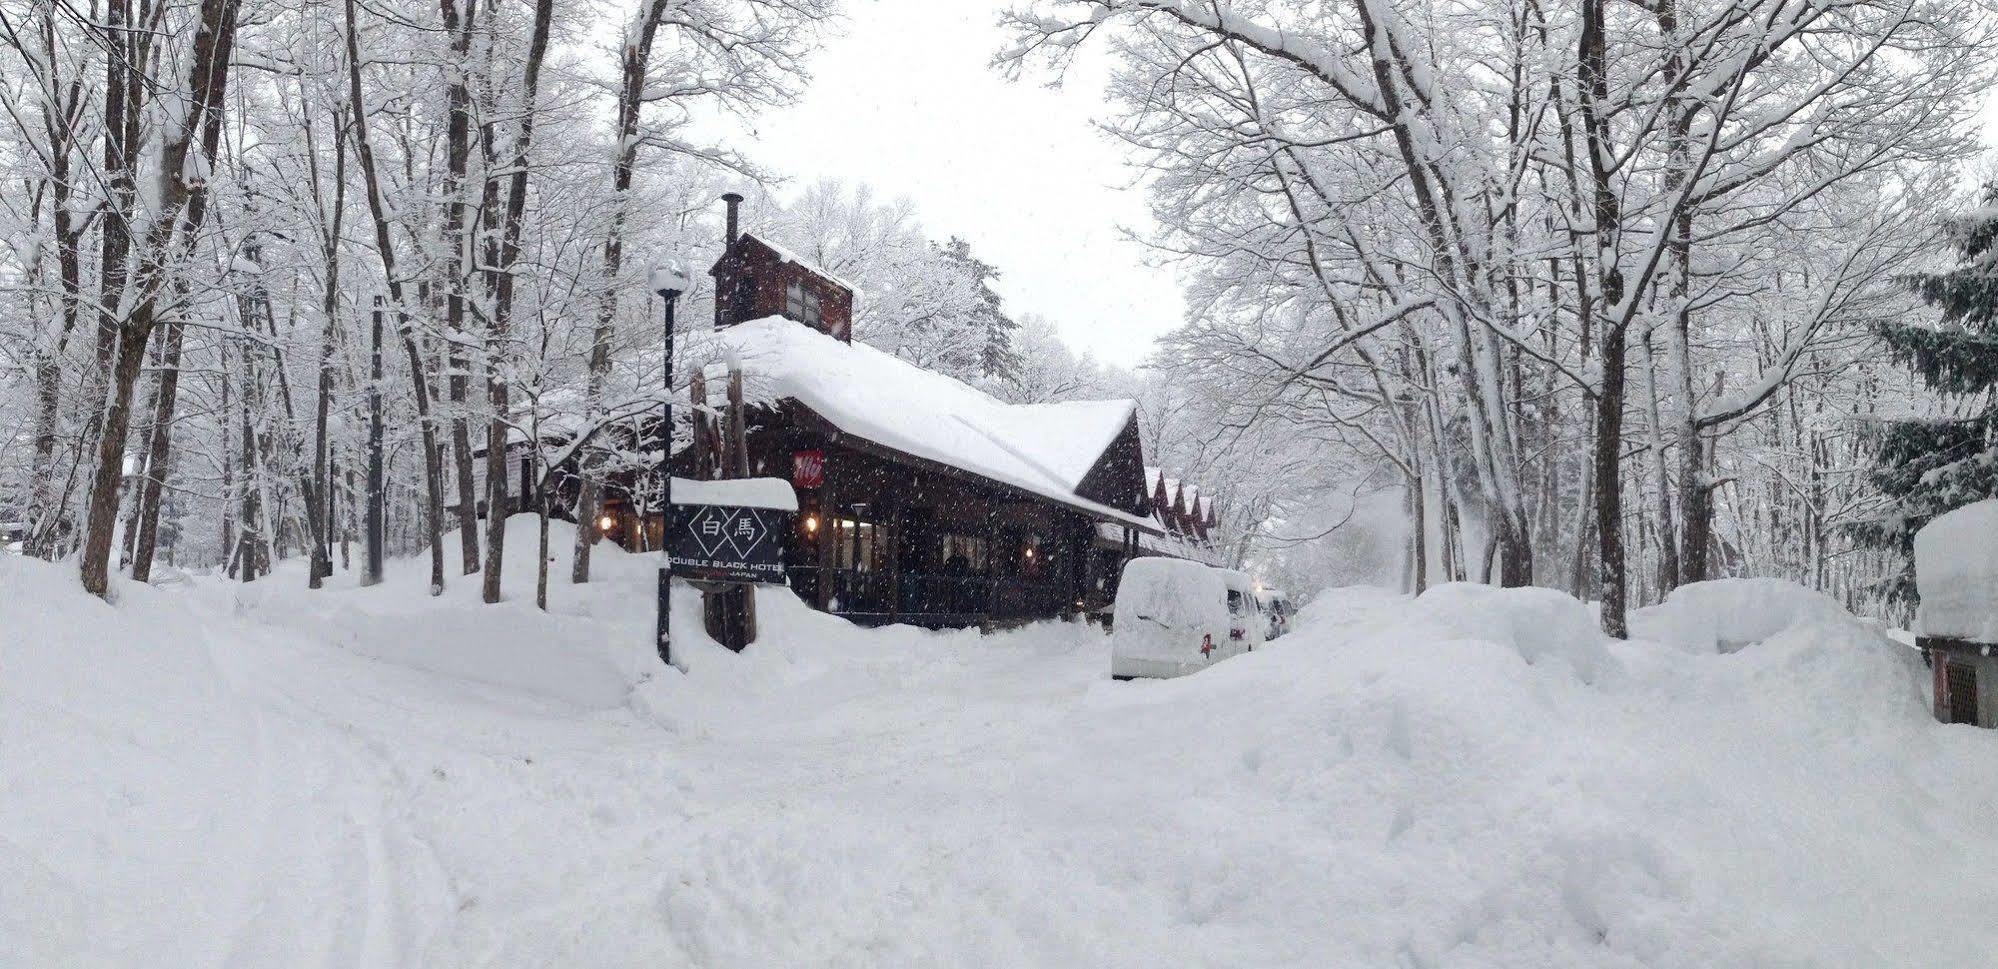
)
(734, 201)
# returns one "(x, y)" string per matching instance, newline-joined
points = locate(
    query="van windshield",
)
(1173, 594)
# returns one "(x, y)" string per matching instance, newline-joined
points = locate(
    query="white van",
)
(1277, 611)
(1175, 617)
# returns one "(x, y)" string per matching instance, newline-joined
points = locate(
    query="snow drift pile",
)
(1724, 615)
(1540, 625)
(264, 776)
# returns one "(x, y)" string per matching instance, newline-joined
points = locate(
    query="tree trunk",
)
(142, 474)
(225, 435)
(329, 312)
(158, 450)
(375, 535)
(61, 115)
(1584, 510)
(46, 511)
(247, 531)
(509, 253)
(102, 511)
(182, 205)
(1668, 555)
(293, 443)
(1695, 509)
(459, 27)
(1593, 73)
(636, 58)
(433, 469)
(541, 530)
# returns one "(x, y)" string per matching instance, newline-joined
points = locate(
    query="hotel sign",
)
(727, 543)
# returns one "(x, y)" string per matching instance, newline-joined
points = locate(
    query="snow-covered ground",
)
(218, 775)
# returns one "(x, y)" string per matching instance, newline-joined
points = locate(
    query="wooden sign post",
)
(726, 536)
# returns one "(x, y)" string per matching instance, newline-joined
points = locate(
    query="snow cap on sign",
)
(772, 493)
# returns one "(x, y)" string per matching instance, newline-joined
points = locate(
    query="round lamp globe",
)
(670, 278)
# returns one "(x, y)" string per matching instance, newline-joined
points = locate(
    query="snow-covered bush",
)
(1541, 625)
(1725, 615)
(1956, 573)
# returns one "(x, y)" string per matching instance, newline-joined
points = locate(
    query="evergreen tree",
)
(997, 358)
(1930, 465)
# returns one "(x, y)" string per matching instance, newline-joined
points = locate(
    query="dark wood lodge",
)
(922, 500)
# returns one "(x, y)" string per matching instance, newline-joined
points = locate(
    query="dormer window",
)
(801, 304)
(755, 278)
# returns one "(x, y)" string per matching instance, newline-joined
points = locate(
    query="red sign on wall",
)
(808, 469)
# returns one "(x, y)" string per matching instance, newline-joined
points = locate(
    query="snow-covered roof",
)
(1042, 449)
(792, 257)
(1198, 504)
(1170, 544)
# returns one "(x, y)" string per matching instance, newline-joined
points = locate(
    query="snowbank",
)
(568, 655)
(1540, 625)
(1956, 573)
(1725, 615)
(220, 775)
(1346, 606)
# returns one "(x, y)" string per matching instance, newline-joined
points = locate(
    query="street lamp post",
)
(669, 280)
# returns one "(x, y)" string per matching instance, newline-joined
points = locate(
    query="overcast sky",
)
(903, 101)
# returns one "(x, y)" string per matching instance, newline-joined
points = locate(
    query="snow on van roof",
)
(1043, 449)
(1161, 569)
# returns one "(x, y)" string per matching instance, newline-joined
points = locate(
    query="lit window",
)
(857, 546)
(964, 554)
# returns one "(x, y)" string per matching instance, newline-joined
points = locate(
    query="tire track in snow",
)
(340, 836)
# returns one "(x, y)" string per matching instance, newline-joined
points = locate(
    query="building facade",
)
(922, 500)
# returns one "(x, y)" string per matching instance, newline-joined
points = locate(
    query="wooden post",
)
(703, 446)
(736, 448)
(891, 519)
(1088, 568)
(828, 532)
(991, 559)
(730, 609)
(744, 615)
